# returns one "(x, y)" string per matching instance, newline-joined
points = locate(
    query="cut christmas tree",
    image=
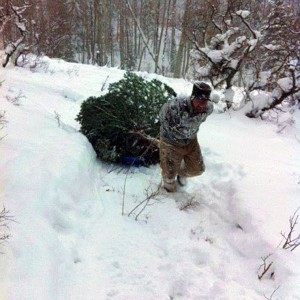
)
(113, 122)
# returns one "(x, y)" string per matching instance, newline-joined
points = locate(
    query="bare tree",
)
(183, 39)
(144, 39)
(55, 36)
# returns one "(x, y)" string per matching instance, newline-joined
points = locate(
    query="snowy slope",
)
(70, 240)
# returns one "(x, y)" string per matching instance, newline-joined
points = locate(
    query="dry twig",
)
(270, 297)
(57, 117)
(292, 242)
(149, 195)
(5, 218)
(104, 84)
(265, 266)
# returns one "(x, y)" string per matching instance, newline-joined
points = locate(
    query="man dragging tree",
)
(180, 153)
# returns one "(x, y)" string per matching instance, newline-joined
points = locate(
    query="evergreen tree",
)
(112, 122)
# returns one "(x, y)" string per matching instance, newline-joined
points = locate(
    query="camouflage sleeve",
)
(169, 116)
(210, 108)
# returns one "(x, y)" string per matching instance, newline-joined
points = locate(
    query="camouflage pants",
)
(185, 161)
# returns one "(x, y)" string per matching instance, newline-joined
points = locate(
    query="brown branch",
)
(265, 266)
(206, 56)
(212, 18)
(290, 242)
(248, 26)
(282, 65)
(153, 141)
(146, 201)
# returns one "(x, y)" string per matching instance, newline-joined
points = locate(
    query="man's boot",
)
(181, 180)
(169, 185)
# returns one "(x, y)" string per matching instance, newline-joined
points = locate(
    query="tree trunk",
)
(122, 34)
(183, 39)
(173, 40)
(162, 26)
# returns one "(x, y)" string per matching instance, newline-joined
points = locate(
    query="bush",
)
(110, 122)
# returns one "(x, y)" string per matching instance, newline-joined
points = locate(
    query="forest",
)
(249, 44)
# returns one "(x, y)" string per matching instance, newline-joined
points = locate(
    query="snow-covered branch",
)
(15, 48)
(243, 15)
(245, 54)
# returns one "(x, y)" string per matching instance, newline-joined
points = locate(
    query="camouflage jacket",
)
(179, 123)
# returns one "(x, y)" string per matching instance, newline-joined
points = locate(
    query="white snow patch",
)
(285, 84)
(243, 13)
(70, 240)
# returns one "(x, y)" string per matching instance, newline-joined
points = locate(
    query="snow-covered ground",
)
(70, 240)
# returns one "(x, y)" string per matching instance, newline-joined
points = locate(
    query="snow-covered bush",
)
(112, 122)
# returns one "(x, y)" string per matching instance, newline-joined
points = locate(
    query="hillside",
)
(70, 240)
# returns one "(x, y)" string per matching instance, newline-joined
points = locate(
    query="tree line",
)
(122, 33)
(253, 44)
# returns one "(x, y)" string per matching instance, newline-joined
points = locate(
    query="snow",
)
(21, 26)
(218, 56)
(272, 47)
(243, 13)
(9, 49)
(286, 84)
(253, 43)
(259, 101)
(215, 55)
(70, 240)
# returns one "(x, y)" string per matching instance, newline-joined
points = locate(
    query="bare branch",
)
(57, 117)
(270, 297)
(5, 218)
(265, 266)
(254, 34)
(153, 141)
(149, 195)
(291, 242)
(3, 122)
(104, 84)
(212, 18)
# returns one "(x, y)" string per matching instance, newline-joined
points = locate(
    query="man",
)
(180, 153)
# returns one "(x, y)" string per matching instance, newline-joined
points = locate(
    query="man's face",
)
(199, 105)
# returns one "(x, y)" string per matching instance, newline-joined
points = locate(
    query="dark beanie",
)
(201, 90)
